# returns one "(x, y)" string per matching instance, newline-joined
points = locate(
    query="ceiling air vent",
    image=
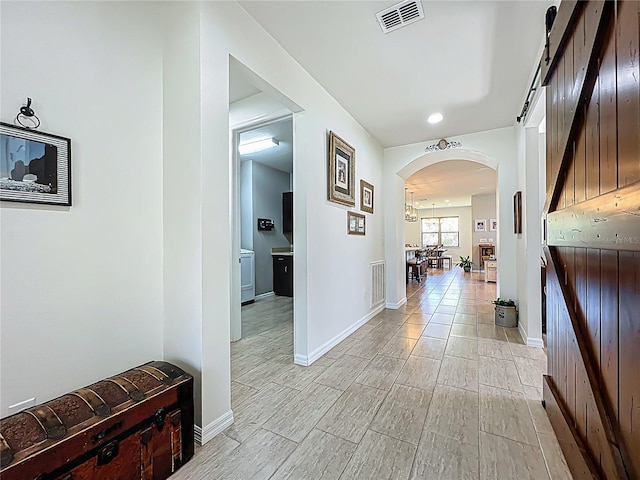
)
(400, 15)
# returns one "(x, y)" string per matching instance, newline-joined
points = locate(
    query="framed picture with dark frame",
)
(366, 197)
(341, 171)
(517, 212)
(356, 223)
(35, 167)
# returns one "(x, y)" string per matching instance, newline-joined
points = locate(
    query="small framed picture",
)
(356, 223)
(493, 225)
(35, 167)
(341, 171)
(481, 225)
(366, 197)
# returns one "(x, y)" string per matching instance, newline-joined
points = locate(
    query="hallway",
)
(432, 390)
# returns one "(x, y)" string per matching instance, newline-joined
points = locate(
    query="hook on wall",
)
(26, 117)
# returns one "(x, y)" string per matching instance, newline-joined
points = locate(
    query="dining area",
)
(420, 259)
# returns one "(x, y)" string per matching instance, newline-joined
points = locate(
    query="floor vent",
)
(400, 15)
(377, 283)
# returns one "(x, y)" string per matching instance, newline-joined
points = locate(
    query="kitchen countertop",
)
(282, 251)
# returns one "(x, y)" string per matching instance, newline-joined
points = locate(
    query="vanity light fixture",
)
(257, 145)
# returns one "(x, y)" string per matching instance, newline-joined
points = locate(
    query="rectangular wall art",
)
(341, 171)
(35, 167)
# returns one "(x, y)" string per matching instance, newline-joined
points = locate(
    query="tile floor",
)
(430, 391)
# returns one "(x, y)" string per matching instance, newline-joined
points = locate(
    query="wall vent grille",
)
(400, 15)
(377, 283)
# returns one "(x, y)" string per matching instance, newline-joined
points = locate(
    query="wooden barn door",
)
(592, 392)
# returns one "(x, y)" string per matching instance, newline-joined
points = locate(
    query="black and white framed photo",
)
(356, 223)
(493, 225)
(341, 171)
(366, 197)
(481, 225)
(35, 167)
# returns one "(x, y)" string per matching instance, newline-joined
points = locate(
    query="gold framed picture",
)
(366, 197)
(341, 166)
(356, 223)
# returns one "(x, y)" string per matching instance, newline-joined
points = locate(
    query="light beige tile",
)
(342, 373)
(459, 373)
(485, 308)
(381, 372)
(504, 458)
(252, 415)
(402, 414)
(462, 347)
(445, 458)
(219, 446)
(461, 330)
(442, 318)
(539, 416)
(342, 348)
(299, 377)
(450, 300)
(499, 373)
(419, 318)
(244, 363)
(528, 352)
(430, 347)
(491, 331)
(324, 361)
(487, 318)
(419, 372)
(369, 346)
(552, 453)
(446, 309)
(398, 347)
(240, 394)
(296, 419)
(264, 373)
(506, 414)
(465, 318)
(454, 413)
(468, 309)
(436, 330)
(513, 336)
(530, 371)
(488, 347)
(256, 459)
(379, 456)
(320, 456)
(350, 416)
(410, 330)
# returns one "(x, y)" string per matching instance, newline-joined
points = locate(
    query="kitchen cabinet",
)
(283, 275)
(287, 212)
(490, 271)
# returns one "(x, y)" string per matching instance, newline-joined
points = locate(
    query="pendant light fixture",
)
(410, 214)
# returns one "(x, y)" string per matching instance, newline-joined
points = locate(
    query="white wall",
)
(494, 148)
(483, 207)
(82, 287)
(413, 233)
(267, 185)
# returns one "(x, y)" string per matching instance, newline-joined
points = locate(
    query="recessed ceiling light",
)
(447, 201)
(435, 118)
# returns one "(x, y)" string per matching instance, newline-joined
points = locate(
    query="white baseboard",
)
(395, 306)
(324, 348)
(203, 435)
(529, 341)
(264, 295)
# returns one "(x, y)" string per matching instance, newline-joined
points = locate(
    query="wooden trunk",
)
(136, 425)
(592, 391)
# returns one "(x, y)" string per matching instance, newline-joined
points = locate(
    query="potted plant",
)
(506, 313)
(465, 263)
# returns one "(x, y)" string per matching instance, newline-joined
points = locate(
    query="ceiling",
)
(280, 157)
(471, 60)
(450, 184)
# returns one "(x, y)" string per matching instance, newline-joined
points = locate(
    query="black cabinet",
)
(287, 212)
(283, 275)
